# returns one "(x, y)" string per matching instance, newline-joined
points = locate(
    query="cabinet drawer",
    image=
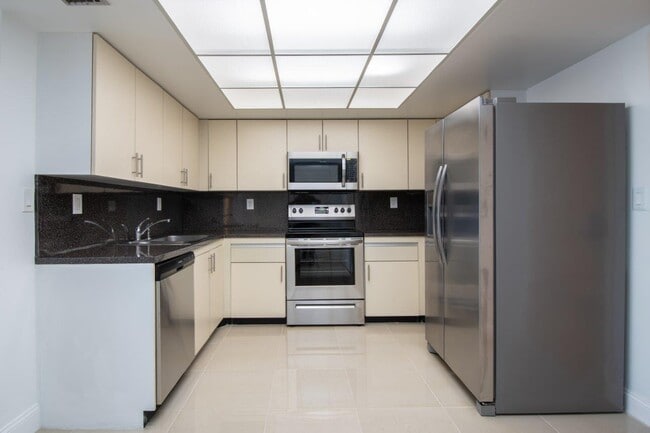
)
(257, 253)
(391, 251)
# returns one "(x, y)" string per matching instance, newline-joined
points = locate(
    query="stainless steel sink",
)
(170, 240)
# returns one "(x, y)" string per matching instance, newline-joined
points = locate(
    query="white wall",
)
(18, 372)
(621, 73)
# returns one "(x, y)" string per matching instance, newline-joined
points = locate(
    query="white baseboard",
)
(635, 406)
(27, 422)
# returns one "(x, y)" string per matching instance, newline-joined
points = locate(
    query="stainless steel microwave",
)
(323, 171)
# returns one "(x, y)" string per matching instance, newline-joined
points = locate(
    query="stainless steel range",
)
(325, 284)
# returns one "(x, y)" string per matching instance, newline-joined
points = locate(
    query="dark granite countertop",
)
(107, 253)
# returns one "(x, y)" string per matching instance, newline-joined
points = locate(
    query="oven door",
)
(325, 269)
(318, 171)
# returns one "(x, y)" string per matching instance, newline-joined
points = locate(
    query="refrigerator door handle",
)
(437, 218)
(431, 207)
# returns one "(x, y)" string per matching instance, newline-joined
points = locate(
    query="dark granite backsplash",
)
(374, 214)
(197, 212)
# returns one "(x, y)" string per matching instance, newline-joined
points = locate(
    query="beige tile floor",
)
(371, 379)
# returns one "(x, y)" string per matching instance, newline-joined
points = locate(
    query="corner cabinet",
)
(99, 116)
(262, 155)
(257, 278)
(383, 154)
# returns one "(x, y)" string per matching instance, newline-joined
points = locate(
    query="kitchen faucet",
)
(139, 231)
(111, 233)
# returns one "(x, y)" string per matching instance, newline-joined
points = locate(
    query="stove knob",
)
(342, 209)
(336, 210)
(349, 210)
(294, 210)
(300, 210)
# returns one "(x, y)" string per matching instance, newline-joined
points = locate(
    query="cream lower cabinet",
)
(393, 270)
(208, 292)
(257, 278)
(383, 154)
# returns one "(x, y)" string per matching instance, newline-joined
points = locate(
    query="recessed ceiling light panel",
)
(220, 26)
(427, 26)
(325, 26)
(240, 71)
(253, 98)
(317, 98)
(320, 71)
(380, 98)
(399, 70)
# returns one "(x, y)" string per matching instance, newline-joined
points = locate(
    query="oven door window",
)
(324, 267)
(315, 171)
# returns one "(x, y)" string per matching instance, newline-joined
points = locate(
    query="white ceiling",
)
(520, 43)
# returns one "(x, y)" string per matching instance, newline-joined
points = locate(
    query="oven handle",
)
(325, 306)
(324, 242)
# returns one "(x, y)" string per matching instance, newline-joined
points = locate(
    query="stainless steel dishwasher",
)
(174, 322)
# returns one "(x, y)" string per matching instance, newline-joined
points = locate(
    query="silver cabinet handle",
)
(210, 181)
(368, 266)
(210, 264)
(282, 273)
(141, 165)
(187, 176)
(320, 142)
(325, 141)
(361, 180)
(214, 262)
(135, 159)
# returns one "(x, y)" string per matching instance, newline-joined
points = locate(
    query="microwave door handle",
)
(343, 171)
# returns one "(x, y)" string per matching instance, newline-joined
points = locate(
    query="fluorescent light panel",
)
(380, 97)
(253, 98)
(317, 98)
(399, 71)
(240, 71)
(325, 26)
(220, 26)
(320, 71)
(428, 26)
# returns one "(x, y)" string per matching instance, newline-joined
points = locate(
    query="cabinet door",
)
(341, 135)
(392, 289)
(383, 154)
(222, 151)
(217, 286)
(114, 113)
(190, 148)
(262, 155)
(417, 127)
(202, 322)
(172, 141)
(149, 128)
(304, 135)
(257, 289)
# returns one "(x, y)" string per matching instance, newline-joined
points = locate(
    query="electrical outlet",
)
(393, 202)
(250, 204)
(28, 200)
(158, 204)
(77, 204)
(639, 199)
(112, 206)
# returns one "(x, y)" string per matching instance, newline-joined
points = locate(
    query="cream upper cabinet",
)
(322, 135)
(304, 135)
(173, 142)
(202, 321)
(417, 127)
(222, 155)
(148, 129)
(114, 113)
(341, 135)
(383, 154)
(190, 152)
(393, 272)
(262, 155)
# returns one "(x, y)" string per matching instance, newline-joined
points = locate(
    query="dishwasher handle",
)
(172, 266)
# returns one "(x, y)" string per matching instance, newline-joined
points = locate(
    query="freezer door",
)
(466, 215)
(434, 282)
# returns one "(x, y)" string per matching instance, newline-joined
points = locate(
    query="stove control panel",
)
(321, 211)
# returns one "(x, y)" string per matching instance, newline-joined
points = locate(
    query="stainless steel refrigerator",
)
(526, 254)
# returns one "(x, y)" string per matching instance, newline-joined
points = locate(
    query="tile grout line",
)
(347, 377)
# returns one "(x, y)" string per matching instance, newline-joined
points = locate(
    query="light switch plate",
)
(158, 204)
(639, 199)
(77, 204)
(250, 204)
(28, 200)
(393, 202)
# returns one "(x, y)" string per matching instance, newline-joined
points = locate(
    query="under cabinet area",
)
(393, 276)
(257, 278)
